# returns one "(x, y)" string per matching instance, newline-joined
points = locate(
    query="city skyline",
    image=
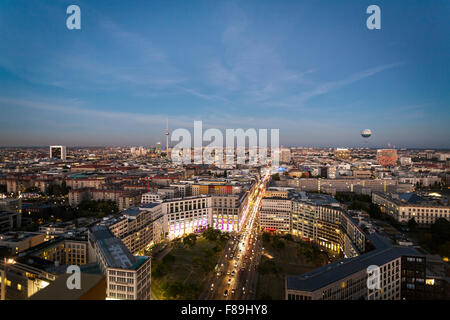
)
(313, 70)
(216, 157)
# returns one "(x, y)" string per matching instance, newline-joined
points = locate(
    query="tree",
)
(32, 189)
(288, 237)
(159, 270)
(444, 250)
(100, 208)
(211, 234)
(265, 237)
(374, 211)
(412, 224)
(440, 231)
(190, 240)
(277, 243)
(168, 259)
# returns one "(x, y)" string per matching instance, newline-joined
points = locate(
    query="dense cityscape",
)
(139, 227)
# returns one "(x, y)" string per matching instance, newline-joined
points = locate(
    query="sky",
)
(309, 68)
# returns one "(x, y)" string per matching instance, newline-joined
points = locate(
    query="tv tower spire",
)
(167, 136)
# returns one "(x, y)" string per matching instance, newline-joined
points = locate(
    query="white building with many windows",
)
(186, 215)
(128, 277)
(404, 207)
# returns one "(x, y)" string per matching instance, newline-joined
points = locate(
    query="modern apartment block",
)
(403, 207)
(275, 214)
(65, 252)
(128, 277)
(53, 230)
(228, 211)
(338, 185)
(215, 187)
(80, 181)
(186, 215)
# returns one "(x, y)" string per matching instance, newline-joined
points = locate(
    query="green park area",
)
(182, 272)
(284, 256)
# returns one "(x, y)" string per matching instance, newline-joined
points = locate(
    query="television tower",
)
(167, 137)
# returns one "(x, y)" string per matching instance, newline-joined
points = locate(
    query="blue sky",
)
(310, 68)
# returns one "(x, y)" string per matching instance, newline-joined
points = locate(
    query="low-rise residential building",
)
(124, 199)
(150, 197)
(20, 241)
(55, 229)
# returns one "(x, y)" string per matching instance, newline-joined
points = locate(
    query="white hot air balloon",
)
(366, 133)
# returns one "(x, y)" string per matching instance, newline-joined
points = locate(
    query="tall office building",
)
(58, 152)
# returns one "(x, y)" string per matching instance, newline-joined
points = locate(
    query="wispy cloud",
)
(300, 100)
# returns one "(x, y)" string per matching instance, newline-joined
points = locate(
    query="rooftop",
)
(114, 251)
